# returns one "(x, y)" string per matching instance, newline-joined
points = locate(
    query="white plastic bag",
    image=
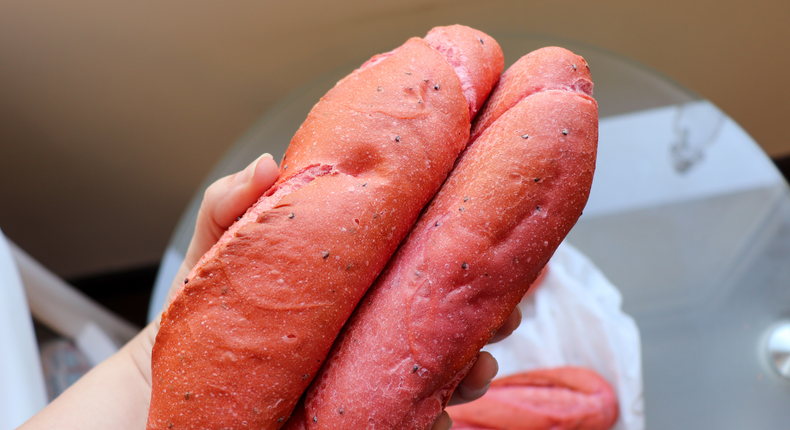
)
(574, 319)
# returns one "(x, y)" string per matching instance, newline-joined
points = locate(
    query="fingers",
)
(443, 422)
(508, 327)
(223, 202)
(514, 320)
(226, 200)
(231, 196)
(476, 382)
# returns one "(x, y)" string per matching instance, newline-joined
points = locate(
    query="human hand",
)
(223, 202)
(116, 393)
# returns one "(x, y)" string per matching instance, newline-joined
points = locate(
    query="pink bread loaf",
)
(510, 200)
(563, 398)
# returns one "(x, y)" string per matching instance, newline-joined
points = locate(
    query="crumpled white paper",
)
(574, 319)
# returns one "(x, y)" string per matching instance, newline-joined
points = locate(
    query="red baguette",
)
(563, 398)
(509, 202)
(254, 320)
(550, 68)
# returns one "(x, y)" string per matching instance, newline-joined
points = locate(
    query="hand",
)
(223, 202)
(477, 381)
(229, 197)
(116, 393)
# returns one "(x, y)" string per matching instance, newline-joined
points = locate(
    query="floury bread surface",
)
(511, 199)
(256, 317)
(561, 398)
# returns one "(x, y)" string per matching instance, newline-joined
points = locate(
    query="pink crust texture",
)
(563, 398)
(475, 56)
(550, 68)
(255, 318)
(509, 202)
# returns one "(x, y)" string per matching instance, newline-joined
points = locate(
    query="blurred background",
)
(112, 113)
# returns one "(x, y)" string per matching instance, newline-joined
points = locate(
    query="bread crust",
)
(511, 199)
(254, 320)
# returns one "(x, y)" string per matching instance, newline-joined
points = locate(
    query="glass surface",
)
(687, 217)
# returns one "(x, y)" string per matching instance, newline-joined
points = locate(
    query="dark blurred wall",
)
(111, 113)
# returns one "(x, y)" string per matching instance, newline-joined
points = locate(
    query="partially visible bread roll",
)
(562, 398)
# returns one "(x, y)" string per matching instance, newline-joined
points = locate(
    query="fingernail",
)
(473, 394)
(249, 172)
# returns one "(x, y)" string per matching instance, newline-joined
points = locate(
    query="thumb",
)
(223, 202)
(443, 422)
(226, 200)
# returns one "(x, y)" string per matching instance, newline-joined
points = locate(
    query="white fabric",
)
(22, 389)
(574, 319)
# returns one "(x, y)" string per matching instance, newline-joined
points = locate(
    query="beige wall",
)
(111, 113)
